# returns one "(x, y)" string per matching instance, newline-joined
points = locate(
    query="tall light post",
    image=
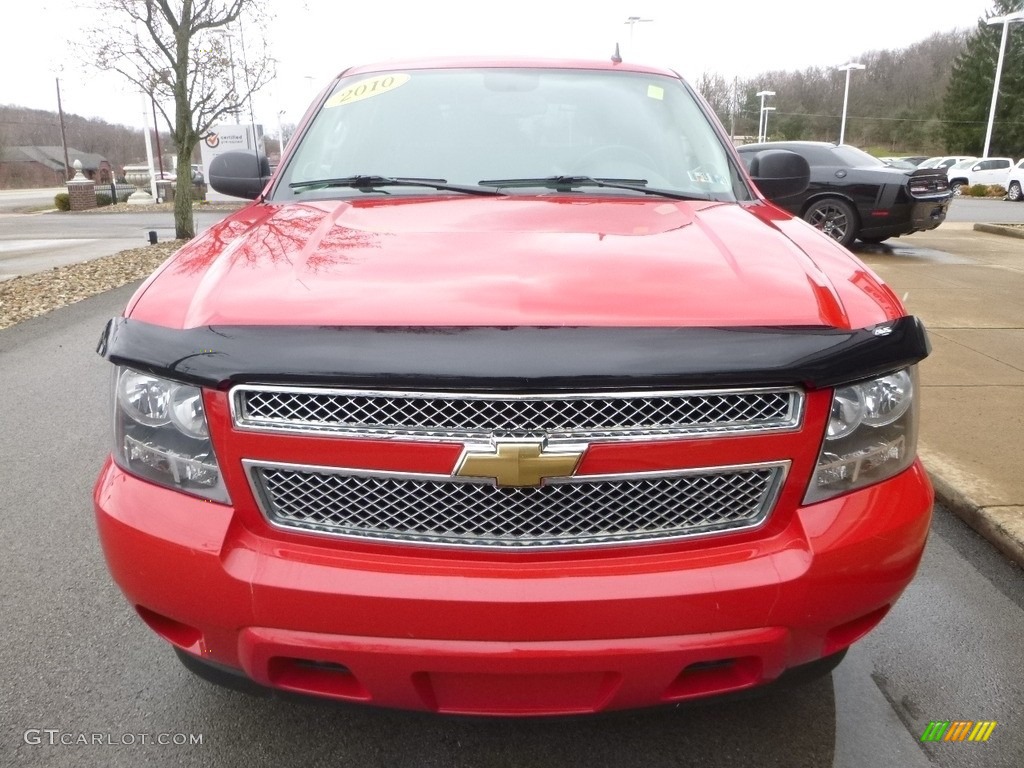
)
(633, 21)
(846, 95)
(63, 136)
(766, 111)
(280, 136)
(149, 148)
(760, 117)
(145, 133)
(227, 35)
(1006, 21)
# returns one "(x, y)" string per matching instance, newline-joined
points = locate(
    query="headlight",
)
(186, 411)
(161, 434)
(871, 435)
(144, 398)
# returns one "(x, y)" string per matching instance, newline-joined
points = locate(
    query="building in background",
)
(29, 166)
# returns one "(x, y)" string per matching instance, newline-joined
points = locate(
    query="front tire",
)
(957, 188)
(1014, 192)
(835, 217)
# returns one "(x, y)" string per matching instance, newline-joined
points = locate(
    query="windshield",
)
(460, 127)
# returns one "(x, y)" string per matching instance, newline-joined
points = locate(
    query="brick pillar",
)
(81, 190)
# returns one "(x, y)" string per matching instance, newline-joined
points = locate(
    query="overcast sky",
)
(314, 39)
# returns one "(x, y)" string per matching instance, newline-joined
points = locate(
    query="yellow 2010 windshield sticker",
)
(364, 89)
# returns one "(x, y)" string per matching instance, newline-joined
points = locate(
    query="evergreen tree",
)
(968, 98)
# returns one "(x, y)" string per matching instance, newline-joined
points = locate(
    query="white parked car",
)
(1015, 182)
(981, 170)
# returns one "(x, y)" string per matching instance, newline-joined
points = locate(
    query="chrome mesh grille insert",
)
(456, 416)
(580, 511)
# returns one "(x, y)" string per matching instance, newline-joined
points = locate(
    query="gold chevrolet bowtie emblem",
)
(515, 463)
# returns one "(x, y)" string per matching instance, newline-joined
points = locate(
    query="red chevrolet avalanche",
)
(512, 394)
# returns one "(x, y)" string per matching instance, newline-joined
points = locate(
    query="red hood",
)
(540, 261)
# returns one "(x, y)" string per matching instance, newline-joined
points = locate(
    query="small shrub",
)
(102, 200)
(978, 190)
(62, 201)
(996, 190)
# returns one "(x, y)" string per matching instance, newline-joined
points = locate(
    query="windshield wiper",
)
(369, 183)
(567, 183)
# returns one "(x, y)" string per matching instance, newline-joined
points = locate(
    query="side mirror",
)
(239, 174)
(780, 173)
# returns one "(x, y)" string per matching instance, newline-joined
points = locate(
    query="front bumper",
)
(559, 634)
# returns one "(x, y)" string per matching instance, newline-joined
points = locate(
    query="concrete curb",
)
(980, 518)
(999, 229)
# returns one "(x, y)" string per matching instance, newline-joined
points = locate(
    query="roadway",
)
(37, 242)
(991, 211)
(15, 199)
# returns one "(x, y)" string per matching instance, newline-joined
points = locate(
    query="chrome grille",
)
(572, 512)
(459, 416)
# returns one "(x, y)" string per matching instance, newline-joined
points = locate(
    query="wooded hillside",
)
(896, 102)
(932, 97)
(120, 144)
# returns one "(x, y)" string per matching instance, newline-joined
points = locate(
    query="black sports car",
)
(853, 195)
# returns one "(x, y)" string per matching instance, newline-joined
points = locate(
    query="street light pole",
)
(280, 137)
(1006, 21)
(846, 96)
(633, 21)
(63, 136)
(766, 111)
(149, 147)
(226, 34)
(761, 116)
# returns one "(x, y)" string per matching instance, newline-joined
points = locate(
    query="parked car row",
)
(964, 171)
(899, 162)
(856, 196)
(914, 160)
(946, 161)
(975, 170)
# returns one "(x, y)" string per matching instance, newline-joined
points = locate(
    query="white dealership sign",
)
(229, 138)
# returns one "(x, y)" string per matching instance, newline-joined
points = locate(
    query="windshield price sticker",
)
(364, 89)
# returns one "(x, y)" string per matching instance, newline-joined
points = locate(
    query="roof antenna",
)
(616, 57)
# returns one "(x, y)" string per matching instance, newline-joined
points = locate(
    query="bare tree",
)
(207, 57)
(719, 94)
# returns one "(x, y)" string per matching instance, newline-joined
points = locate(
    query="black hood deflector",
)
(515, 359)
